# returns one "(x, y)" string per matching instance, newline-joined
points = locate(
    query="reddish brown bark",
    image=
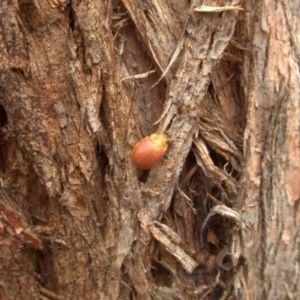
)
(81, 82)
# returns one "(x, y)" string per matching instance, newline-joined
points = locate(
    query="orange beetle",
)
(149, 151)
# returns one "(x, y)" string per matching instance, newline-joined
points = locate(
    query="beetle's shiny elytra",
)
(149, 151)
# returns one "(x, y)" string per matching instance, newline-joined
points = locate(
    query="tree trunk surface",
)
(81, 82)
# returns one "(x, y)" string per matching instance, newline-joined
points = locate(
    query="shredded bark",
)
(81, 82)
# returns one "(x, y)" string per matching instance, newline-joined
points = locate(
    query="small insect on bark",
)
(149, 151)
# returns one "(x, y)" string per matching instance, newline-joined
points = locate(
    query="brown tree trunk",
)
(81, 82)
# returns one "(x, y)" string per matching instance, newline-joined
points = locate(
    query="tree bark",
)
(81, 82)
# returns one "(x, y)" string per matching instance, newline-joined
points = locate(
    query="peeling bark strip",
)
(81, 82)
(187, 262)
(269, 196)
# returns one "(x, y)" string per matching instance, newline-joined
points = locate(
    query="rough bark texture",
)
(81, 82)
